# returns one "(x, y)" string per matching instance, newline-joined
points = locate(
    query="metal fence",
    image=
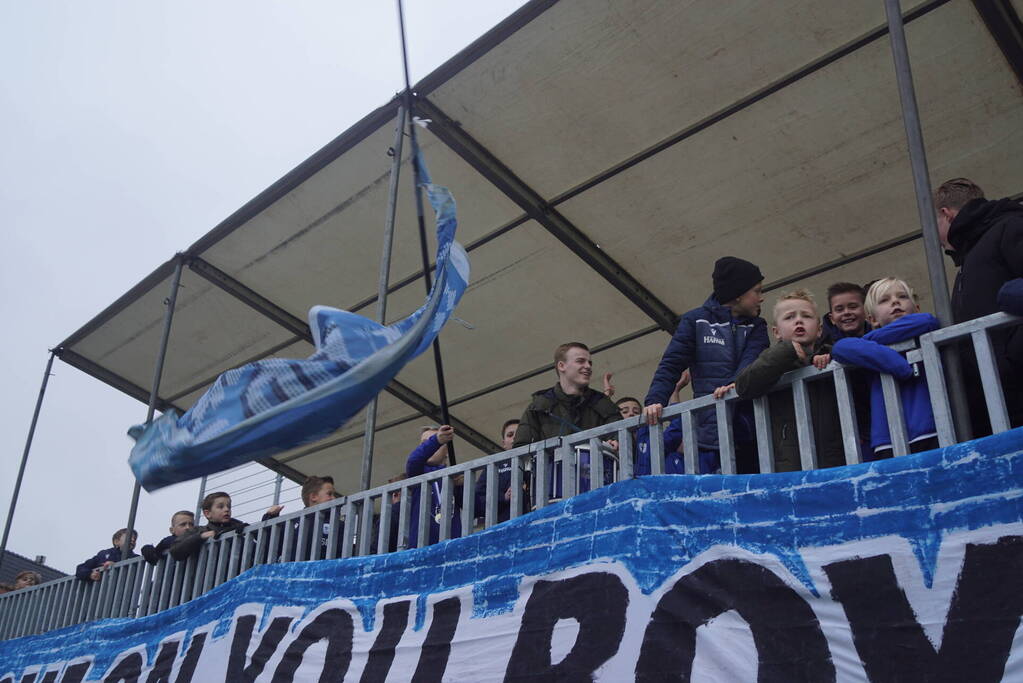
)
(538, 474)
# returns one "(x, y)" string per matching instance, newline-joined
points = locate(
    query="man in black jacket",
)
(985, 240)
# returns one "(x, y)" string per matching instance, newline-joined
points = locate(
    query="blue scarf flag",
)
(272, 405)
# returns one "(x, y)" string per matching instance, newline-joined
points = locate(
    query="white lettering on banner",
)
(729, 614)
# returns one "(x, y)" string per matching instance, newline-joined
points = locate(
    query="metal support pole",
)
(24, 457)
(277, 489)
(153, 396)
(438, 362)
(198, 502)
(385, 273)
(925, 208)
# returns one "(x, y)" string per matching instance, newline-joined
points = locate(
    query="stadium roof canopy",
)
(603, 155)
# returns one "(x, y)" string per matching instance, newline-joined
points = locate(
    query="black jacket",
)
(96, 561)
(552, 412)
(190, 543)
(758, 378)
(154, 553)
(987, 246)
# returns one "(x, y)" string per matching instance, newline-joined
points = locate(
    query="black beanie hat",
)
(733, 277)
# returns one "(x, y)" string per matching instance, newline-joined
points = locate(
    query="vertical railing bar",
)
(404, 518)
(423, 523)
(490, 499)
(332, 532)
(350, 527)
(260, 552)
(468, 511)
(765, 441)
(569, 470)
(847, 415)
(444, 533)
(366, 527)
(541, 487)
(893, 410)
(596, 464)
(167, 595)
(515, 481)
(690, 446)
(223, 552)
(991, 380)
(288, 546)
(273, 555)
(316, 535)
(804, 426)
(249, 549)
(303, 527)
(384, 528)
(938, 391)
(235, 556)
(209, 569)
(626, 463)
(726, 444)
(655, 435)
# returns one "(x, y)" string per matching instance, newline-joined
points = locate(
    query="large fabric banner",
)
(909, 569)
(272, 405)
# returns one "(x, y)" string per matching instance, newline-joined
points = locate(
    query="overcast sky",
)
(129, 130)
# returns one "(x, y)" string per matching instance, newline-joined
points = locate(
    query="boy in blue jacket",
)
(716, 341)
(92, 569)
(429, 456)
(894, 314)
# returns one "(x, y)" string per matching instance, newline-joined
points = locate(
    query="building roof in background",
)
(13, 564)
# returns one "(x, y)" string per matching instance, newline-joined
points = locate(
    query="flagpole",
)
(154, 395)
(24, 457)
(369, 433)
(437, 359)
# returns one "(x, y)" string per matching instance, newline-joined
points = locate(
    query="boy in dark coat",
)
(182, 522)
(216, 508)
(985, 240)
(892, 310)
(716, 341)
(797, 327)
(92, 568)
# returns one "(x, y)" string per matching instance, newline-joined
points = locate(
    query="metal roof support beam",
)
(502, 177)
(925, 207)
(110, 378)
(1004, 25)
(292, 323)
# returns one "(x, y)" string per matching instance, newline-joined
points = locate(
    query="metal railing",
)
(363, 523)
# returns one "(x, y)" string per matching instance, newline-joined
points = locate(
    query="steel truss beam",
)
(536, 207)
(293, 324)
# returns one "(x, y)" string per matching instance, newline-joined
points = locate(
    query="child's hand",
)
(107, 564)
(612, 444)
(445, 434)
(652, 413)
(274, 510)
(609, 389)
(800, 352)
(721, 391)
(821, 361)
(208, 534)
(682, 382)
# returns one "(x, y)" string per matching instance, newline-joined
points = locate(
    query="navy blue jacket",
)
(96, 561)
(871, 352)
(715, 347)
(414, 466)
(832, 334)
(1010, 297)
(672, 436)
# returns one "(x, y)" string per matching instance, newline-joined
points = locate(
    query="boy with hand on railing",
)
(216, 508)
(894, 313)
(315, 491)
(797, 327)
(716, 341)
(93, 568)
(430, 455)
(182, 522)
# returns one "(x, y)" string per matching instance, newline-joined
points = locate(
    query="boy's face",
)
(748, 304)
(508, 438)
(325, 493)
(847, 312)
(181, 524)
(796, 320)
(220, 511)
(629, 409)
(892, 305)
(119, 538)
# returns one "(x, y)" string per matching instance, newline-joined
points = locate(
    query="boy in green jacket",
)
(797, 327)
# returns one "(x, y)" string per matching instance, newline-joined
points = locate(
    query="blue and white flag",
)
(270, 406)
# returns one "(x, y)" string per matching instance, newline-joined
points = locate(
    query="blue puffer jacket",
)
(416, 465)
(871, 352)
(715, 347)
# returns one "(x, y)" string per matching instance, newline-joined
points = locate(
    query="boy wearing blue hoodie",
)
(894, 314)
(716, 341)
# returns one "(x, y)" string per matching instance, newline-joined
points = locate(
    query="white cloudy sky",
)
(129, 129)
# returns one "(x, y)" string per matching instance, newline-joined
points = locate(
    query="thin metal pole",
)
(277, 488)
(153, 396)
(369, 433)
(198, 502)
(925, 208)
(24, 457)
(428, 281)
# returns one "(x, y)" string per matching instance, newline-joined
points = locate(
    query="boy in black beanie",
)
(716, 341)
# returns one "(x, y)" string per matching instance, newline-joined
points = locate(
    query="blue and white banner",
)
(272, 405)
(900, 570)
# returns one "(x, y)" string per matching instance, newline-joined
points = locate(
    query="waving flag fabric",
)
(272, 405)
